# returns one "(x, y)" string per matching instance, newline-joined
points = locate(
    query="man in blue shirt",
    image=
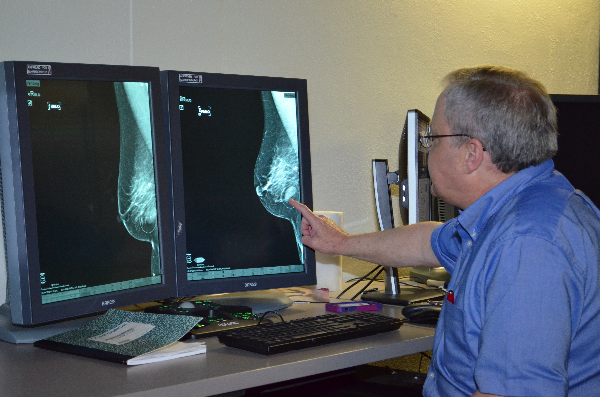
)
(524, 254)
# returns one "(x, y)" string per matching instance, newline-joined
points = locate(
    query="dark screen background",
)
(76, 168)
(225, 221)
(578, 143)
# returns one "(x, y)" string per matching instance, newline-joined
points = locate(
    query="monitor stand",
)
(393, 295)
(259, 301)
(29, 334)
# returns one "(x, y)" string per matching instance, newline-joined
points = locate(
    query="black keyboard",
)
(307, 332)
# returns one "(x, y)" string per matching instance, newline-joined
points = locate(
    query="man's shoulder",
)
(554, 196)
(546, 208)
(545, 196)
(538, 208)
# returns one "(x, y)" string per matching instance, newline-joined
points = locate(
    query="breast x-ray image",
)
(276, 174)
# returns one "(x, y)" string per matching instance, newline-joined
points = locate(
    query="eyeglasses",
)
(427, 140)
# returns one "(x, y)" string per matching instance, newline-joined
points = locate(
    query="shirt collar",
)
(474, 218)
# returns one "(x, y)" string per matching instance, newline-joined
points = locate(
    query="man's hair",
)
(508, 111)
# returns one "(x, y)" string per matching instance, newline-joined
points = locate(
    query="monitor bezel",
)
(171, 83)
(23, 264)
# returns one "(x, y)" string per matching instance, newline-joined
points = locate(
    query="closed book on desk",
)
(128, 338)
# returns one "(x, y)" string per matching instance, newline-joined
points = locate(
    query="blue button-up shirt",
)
(525, 321)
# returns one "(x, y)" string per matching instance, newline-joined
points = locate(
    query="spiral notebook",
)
(130, 338)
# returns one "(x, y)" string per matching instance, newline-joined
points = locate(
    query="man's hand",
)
(320, 232)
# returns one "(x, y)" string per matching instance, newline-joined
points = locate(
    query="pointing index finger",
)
(304, 210)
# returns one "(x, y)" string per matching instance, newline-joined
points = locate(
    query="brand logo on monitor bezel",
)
(39, 70)
(190, 78)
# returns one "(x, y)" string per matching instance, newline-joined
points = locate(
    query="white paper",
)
(174, 350)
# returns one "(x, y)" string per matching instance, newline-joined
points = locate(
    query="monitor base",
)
(29, 334)
(407, 296)
(423, 274)
(259, 301)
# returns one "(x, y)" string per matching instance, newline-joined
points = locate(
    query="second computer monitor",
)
(240, 151)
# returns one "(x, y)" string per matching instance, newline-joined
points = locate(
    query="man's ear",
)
(473, 155)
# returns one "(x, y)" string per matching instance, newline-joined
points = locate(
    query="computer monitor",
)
(240, 148)
(578, 119)
(417, 205)
(86, 195)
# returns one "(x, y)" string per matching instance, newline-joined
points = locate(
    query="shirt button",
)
(431, 375)
(469, 243)
(473, 234)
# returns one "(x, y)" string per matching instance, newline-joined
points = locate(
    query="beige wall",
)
(367, 62)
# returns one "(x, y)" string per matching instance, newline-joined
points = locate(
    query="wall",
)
(367, 62)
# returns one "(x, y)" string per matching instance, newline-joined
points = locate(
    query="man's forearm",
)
(399, 247)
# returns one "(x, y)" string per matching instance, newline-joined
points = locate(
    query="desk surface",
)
(29, 371)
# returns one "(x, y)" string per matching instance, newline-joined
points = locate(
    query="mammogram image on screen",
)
(95, 199)
(240, 166)
(276, 176)
(137, 190)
